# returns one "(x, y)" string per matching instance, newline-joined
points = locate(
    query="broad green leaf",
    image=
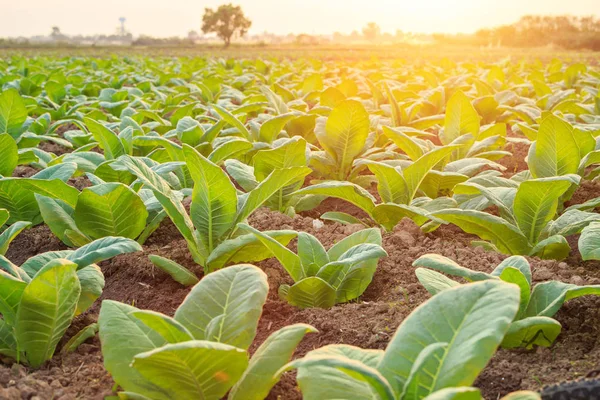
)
(178, 272)
(311, 252)
(123, 336)
(86, 333)
(267, 188)
(558, 149)
(396, 112)
(291, 262)
(275, 101)
(167, 327)
(107, 139)
(233, 121)
(548, 297)
(461, 118)
(290, 154)
(420, 380)
(196, 369)
(10, 233)
(515, 276)
(331, 380)
(471, 318)
(522, 395)
(415, 173)
(553, 248)
(13, 112)
(242, 174)
(391, 186)
(345, 133)
(102, 249)
(8, 343)
(589, 242)
(270, 129)
(410, 145)
(389, 215)
(54, 188)
(433, 281)
(260, 376)
(46, 310)
(171, 204)
(245, 248)
(35, 263)
(11, 290)
(92, 282)
(517, 262)
(456, 393)
(9, 154)
(448, 266)
(336, 272)
(535, 204)
(58, 215)
(331, 97)
(233, 148)
(533, 331)
(110, 209)
(311, 292)
(226, 305)
(214, 200)
(340, 217)
(505, 236)
(371, 235)
(335, 377)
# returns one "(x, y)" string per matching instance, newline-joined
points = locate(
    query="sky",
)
(177, 17)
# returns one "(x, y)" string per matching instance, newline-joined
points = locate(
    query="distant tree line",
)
(568, 32)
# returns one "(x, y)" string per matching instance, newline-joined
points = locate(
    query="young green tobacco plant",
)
(397, 188)
(40, 298)
(533, 324)
(201, 352)
(105, 209)
(344, 136)
(436, 353)
(286, 153)
(324, 278)
(526, 224)
(17, 195)
(216, 208)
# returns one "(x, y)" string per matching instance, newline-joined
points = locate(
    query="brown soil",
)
(368, 322)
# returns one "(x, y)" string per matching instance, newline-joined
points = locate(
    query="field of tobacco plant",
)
(260, 228)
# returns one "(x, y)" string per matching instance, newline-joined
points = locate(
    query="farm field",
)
(182, 226)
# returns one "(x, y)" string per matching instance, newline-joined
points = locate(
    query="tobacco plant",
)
(201, 352)
(527, 223)
(436, 352)
(533, 325)
(324, 278)
(40, 298)
(216, 207)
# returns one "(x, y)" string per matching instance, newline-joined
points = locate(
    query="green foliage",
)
(527, 223)
(397, 188)
(40, 298)
(533, 325)
(439, 349)
(216, 208)
(202, 352)
(324, 278)
(285, 153)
